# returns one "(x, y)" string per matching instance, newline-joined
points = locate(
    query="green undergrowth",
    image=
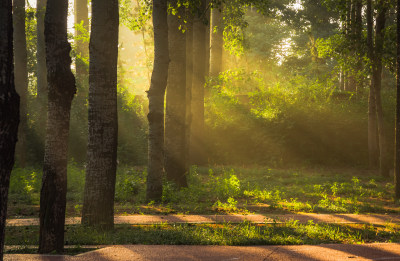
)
(290, 233)
(224, 190)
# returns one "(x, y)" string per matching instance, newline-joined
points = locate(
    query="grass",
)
(290, 233)
(223, 190)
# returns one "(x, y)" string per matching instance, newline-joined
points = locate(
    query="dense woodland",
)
(163, 87)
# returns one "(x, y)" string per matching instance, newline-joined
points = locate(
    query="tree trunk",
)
(156, 101)
(175, 119)
(9, 111)
(358, 44)
(397, 134)
(216, 44)
(207, 39)
(21, 76)
(98, 204)
(384, 164)
(82, 48)
(197, 151)
(373, 151)
(189, 80)
(41, 72)
(61, 92)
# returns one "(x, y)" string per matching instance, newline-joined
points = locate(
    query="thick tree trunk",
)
(397, 134)
(207, 39)
(98, 204)
(61, 92)
(82, 48)
(156, 101)
(373, 147)
(189, 80)
(9, 111)
(175, 118)
(41, 72)
(384, 164)
(21, 76)
(216, 42)
(197, 151)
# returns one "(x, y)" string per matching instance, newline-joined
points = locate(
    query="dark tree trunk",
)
(41, 72)
(41, 52)
(384, 164)
(358, 44)
(175, 118)
(9, 111)
(197, 151)
(82, 48)
(207, 39)
(21, 76)
(397, 143)
(60, 94)
(156, 101)
(189, 78)
(216, 42)
(373, 147)
(98, 204)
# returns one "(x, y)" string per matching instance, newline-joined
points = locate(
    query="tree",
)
(98, 204)
(217, 42)
(156, 101)
(21, 75)
(61, 91)
(9, 111)
(82, 48)
(175, 118)
(197, 151)
(397, 124)
(41, 70)
(189, 80)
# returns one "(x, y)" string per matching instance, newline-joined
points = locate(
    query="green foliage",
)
(135, 17)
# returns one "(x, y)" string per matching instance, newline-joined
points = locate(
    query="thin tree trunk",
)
(358, 44)
(175, 119)
(82, 48)
(21, 76)
(216, 44)
(373, 147)
(384, 164)
(61, 92)
(197, 151)
(397, 134)
(189, 78)
(156, 101)
(9, 111)
(98, 204)
(207, 39)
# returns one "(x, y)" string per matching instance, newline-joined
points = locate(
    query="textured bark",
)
(397, 135)
(189, 80)
(82, 48)
(384, 164)
(9, 111)
(358, 44)
(175, 118)
(98, 204)
(373, 147)
(197, 151)
(41, 71)
(207, 39)
(41, 68)
(60, 94)
(216, 42)
(21, 76)
(156, 101)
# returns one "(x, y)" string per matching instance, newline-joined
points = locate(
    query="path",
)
(302, 218)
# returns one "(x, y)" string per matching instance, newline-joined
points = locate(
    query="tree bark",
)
(197, 151)
(384, 165)
(216, 42)
(98, 204)
(207, 39)
(175, 118)
(9, 111)
(60, 94)
(373, 147)
(156, 101)
(397, 124)
(41, 68)
(21, 76)
(189, 80)
(82, 48)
